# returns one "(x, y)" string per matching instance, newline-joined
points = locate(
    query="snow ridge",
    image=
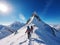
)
(42, 34)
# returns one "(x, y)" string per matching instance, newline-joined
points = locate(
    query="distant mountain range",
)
(7, 30)
(56, 26)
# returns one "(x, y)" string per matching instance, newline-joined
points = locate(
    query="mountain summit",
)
(35, 19)
(44, 31)
(34, 15)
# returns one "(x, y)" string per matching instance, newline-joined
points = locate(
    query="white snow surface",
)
(56, 26)
(21, 38)
(42, 35)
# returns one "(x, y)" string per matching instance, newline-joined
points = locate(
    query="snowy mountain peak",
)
(34, 16)
(42, 34)
(43, 31)
(42, 26)
(34, 13)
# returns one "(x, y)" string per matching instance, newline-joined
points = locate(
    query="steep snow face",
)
(39, 23)
(44, 31)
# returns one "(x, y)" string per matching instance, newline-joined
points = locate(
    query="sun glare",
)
(4, 8)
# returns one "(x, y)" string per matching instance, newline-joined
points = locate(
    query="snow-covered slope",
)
(7, 30)
(44, 31)
(42, 34)
(4, 31)
(57, 26)
(39, 23)
(14, 39)
(21, 38)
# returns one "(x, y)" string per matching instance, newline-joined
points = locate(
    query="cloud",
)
(22, 18)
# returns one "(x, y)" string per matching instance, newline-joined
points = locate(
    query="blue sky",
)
(48, 11)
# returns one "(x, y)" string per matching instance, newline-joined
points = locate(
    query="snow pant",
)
(29, 35)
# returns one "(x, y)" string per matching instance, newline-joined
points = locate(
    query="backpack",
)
(28, 29)
(31, 27)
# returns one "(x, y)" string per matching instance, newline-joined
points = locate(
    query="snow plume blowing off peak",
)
(44, 31)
